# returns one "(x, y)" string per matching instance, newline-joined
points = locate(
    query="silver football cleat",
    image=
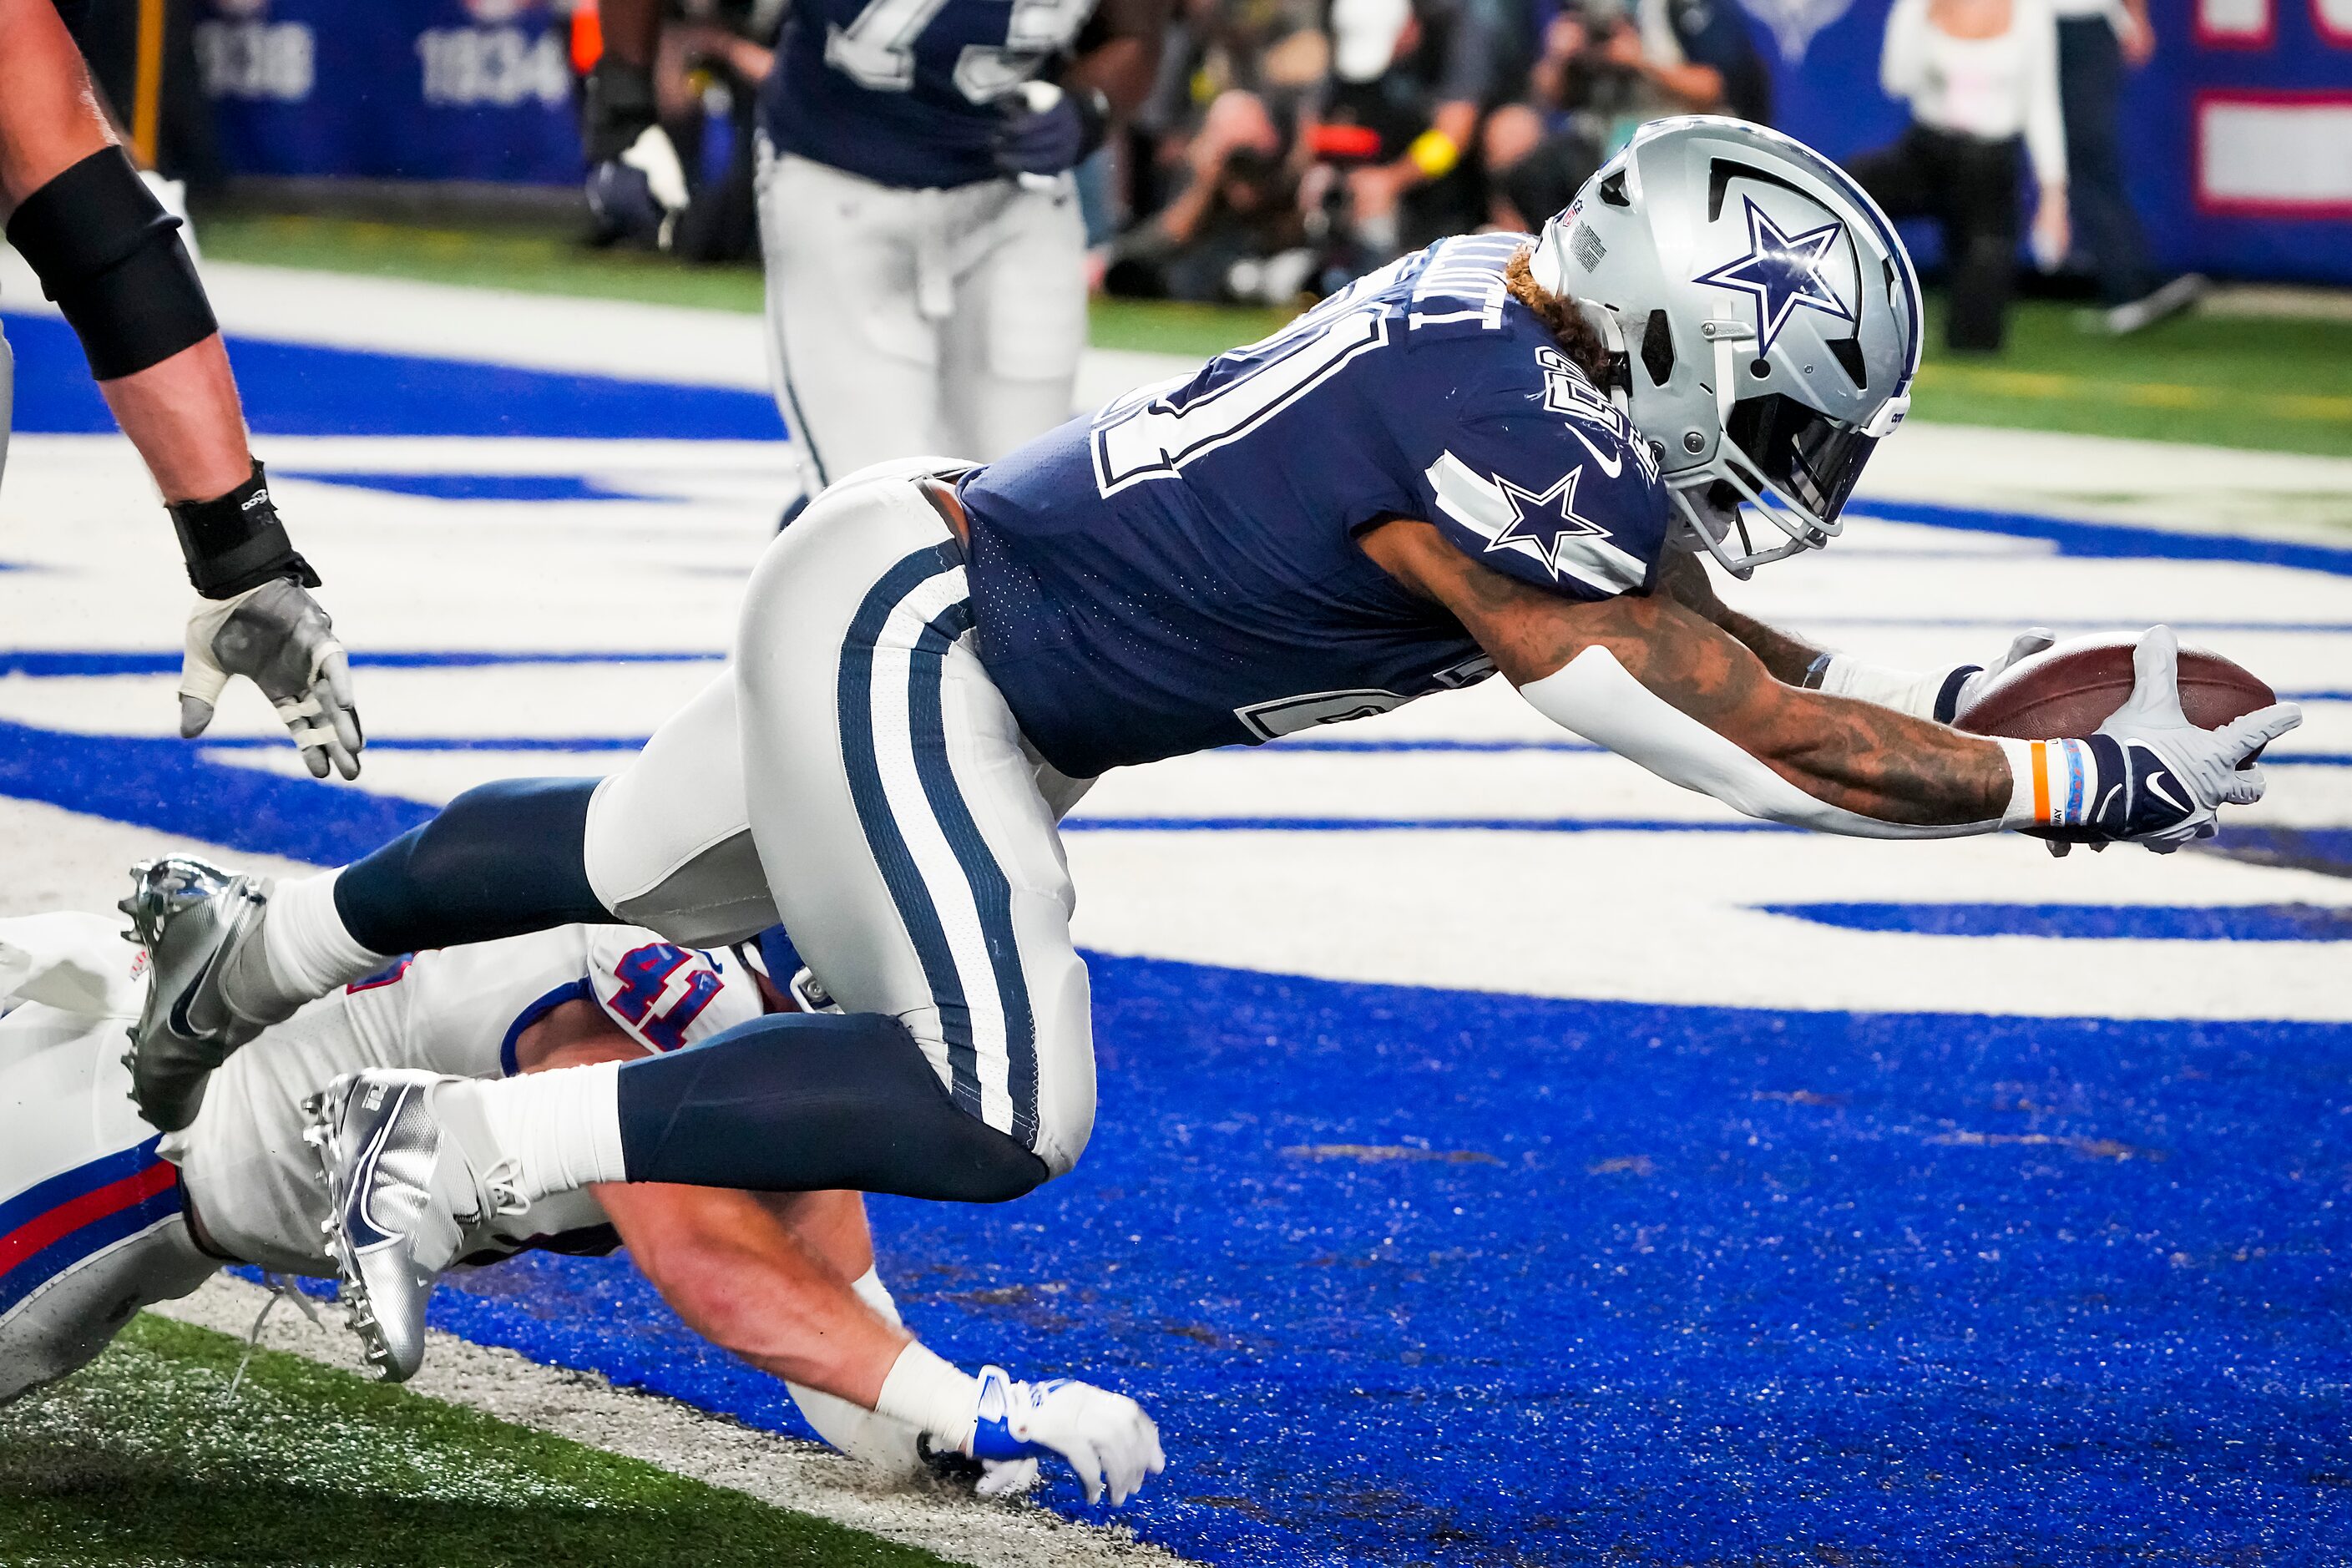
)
(195, 920)
(401, 1199)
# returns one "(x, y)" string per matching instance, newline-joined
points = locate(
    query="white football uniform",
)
(93, 1224)
(901, 322)
(918, 299)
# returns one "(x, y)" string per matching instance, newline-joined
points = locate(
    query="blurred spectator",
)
(1618, 67)
(1235, 231)
(1981, 76)
(1410, 79)
(2097, 39)
(1532, 171)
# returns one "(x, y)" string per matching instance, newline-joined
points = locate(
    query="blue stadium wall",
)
(482, 90)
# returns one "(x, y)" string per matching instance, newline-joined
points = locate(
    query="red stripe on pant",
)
(34, 1234)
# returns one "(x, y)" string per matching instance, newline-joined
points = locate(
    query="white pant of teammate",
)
(902, 321)
(895, 816)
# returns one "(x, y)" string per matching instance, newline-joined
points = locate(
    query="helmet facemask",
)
(1762, 372)
(1781, 471)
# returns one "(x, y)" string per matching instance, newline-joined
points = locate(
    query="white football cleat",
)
(402, 1198)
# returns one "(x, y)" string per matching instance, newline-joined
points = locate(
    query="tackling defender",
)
(112, 259)
(1485, 457)
(99, 1217)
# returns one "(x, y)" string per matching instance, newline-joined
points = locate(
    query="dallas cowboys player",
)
(1431, 477)
(99, 1217)
(920, 228)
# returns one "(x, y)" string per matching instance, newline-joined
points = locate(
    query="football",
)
(2074, 687)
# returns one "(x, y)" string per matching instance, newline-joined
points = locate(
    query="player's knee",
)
(501, 859)
(1065, 1066)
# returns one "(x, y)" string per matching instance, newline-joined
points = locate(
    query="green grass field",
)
(144, 1458)
(2271, 383)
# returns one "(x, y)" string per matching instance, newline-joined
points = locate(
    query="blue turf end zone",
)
(302, 389)
(2141, 922)
(1417, 1276)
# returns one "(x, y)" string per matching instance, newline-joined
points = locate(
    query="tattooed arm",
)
(1874, 771)
(1792, 660)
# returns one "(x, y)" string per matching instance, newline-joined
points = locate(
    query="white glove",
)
(1106, 1438)
(1007, 1477)
(278, 636)
(2158, 779)
(2022, 647)
(1937, 694)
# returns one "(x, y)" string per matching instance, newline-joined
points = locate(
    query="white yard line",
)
(782, 1471)
(2094, 478)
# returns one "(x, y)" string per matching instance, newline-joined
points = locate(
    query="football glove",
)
(2149, 776)
(637, 187)
(278, 637)
(1937, 694)
(1046, 130)
(1106, 1438)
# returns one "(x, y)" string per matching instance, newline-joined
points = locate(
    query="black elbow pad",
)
(110, 257)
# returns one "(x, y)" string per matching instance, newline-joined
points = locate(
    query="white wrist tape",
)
(1593, 696)
(2054, 783)
(931, 1395)
(1931, 694)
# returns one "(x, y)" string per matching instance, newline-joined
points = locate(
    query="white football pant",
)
(906, 322)
(857, 770)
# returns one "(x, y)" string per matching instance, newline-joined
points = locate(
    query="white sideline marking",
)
(783, 1472)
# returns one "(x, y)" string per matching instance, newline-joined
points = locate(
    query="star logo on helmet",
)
(1780, 272)
(1542, 524)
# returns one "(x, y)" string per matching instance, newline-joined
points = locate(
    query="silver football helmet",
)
(1766, 318)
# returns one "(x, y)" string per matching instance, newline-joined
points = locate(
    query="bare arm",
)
(182, 413)
(1684, 578)
(767, 1278)
(1856, 757)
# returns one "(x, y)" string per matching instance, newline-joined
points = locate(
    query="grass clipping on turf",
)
(143, 1459)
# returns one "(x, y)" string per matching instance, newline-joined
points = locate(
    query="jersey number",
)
(877, 50)
(1153, 433)
(644, 975)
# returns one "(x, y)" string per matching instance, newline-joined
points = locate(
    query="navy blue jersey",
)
(1181, 571)
(904, 93)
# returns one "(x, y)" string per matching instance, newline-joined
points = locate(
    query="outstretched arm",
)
(1623, 672)
(1937, 694)
(785, 1282)
(1650, 678)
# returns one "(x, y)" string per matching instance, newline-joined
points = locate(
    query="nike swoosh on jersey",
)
(1613, 464)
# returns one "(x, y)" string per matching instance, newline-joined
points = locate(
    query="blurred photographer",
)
(1615, 65)
(1235, 230)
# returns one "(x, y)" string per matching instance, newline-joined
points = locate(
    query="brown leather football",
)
(2074, 687)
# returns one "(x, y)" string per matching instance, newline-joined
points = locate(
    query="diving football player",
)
(1487, 457)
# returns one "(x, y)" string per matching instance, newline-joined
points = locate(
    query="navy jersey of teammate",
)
(905, 92)
(1148, 583)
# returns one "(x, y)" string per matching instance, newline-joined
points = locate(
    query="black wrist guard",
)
(235, 542)
(110, 257)
(616, 105)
